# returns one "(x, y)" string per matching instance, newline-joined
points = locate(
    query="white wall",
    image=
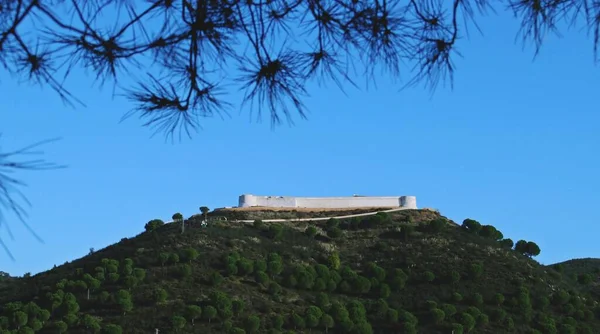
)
(327, 202)
(268, 201)
(346, 202)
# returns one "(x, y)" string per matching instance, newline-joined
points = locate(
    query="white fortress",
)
(408, 202)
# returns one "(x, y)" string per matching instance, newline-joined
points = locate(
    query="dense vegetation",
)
(585, 272)
(404, 272)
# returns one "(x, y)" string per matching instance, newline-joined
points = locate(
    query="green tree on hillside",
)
(521, 246)
(204, 210)
(585, 278)
(311, 231)
(258, 224)
(123, 299)
(507, 243)
(471, 225)
(178, 217)
(490, 232)
(532, 249)
(528, 248)
(178, 323)
(112, 329)
(275, 232)
(153, 225)
(91, 323)
(160, 295)
(60, 326)
(334, 261)
(20, 318)
(252, 324)
(437, 225)
(190, 254)
(91, 284)
(327, 322)
(209, 312)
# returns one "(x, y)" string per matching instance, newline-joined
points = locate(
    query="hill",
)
(6, 283)
(403, 272)
(577, 267)
(585, 271)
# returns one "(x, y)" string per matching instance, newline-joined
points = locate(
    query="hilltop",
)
(585, 272)
(403, 272)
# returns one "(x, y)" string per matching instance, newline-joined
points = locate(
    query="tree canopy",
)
(192, 46)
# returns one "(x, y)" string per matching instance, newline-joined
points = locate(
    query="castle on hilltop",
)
(247, 200)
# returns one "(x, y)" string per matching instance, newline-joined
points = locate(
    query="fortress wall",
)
(268, 201)
(409, 202)
(346, 202)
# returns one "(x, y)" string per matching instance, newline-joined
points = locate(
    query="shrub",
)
(373, 270)
(437, 315)
(498, 299)
(277, 321)
(361, 284)
(457, 328)
(311, 231)
(532, 249)
(275, 232)
(507, 243)
(258, 224)
(527, 248)
(190, 254)
(482, 320)
(567, 329)
(112, 329)
(334, 233)
(428, 276)
(274, 288)
(560, 297)
(178, 323)
(477, 299)
(320, 285)
(392, 315)
(173, 258)
(184, 271)
(467, 321)
(449, 310)
(542, 303)
(454, 277)
(475, 270)
(252, 324)
(498, 315)
(153, 225)
(333, 261)
(471, 226)
(237, 306)
(384, 291)
(227, 326)
(332, 223)
(437, 225)
(490, 232)
(585, 279)
(327, 322)
(245, 266)
(209, 313)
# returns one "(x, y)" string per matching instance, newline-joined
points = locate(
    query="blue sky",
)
(513, 145)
